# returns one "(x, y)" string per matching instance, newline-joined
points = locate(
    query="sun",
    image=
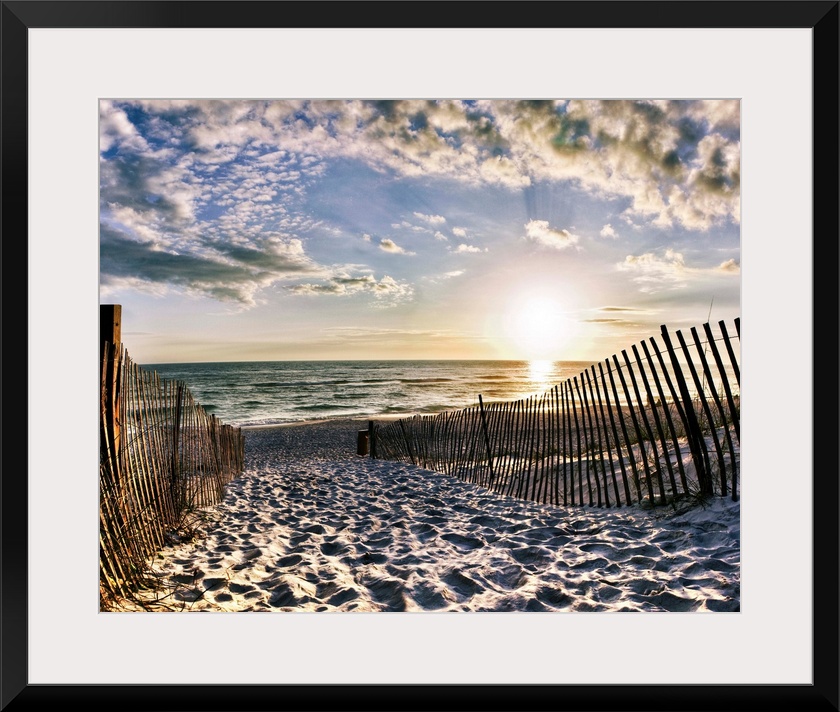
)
(537, 328)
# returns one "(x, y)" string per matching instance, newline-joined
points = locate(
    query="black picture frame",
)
(820, 16)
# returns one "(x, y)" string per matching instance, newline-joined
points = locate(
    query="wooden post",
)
(486, 440)
(696, 441)
(110, 329)
(372, 438)
(110, 317)
(362, 442)
(731, 353)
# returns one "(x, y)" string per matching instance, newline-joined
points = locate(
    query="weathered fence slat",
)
(736, 369)
(733, 411)
(696, 442)
(708, 374)
(607, 447)
(706, 409)
(668, 419)
(658, 423)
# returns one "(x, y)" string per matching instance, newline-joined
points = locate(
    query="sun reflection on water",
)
(541, 372)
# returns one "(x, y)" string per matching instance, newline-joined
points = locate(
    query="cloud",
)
(607, 231)
(463, 248)
(180, 179)
(677, 161)
(379, 335)
(622, 309)
(391, 246)
(387, 289)
(431, 219)
(655, 273)
(539, 231)
(446, 275)
(229, 273)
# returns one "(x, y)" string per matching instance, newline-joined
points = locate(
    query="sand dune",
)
(311, 526)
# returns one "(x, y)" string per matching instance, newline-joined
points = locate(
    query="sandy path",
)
(311, 526)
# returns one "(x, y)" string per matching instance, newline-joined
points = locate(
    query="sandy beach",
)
(312, 526)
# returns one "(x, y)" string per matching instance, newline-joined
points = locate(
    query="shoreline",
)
(324, 421)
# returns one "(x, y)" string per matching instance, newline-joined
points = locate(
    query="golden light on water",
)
(541, 373)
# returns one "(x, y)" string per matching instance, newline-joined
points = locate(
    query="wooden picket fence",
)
(161, 458)
(646, 429)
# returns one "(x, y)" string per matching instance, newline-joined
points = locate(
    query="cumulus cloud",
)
(386, 289)
(654, 273)
(464, 248)
(658, 272)
(390, 246)
(452, 274)
(677, 161)
(539, 231)
(431, 219)
(229, 273)
(179, 179)
(608, 231)
(729, 267)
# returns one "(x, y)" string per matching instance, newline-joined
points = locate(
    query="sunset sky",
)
(350, 229)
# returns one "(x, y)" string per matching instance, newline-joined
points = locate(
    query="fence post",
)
(695, 436)
(486, 440)
(110, 332)
(372, 438)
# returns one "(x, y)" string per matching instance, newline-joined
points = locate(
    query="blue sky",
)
(280, 229)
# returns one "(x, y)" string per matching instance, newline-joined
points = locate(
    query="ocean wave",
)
(426, 380)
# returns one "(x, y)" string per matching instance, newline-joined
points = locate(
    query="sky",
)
(242, 230)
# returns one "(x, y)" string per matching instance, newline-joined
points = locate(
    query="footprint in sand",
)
(463, 543)
(461, 584)
(599, 562)
(723, 606)
(380, 541)
(553, 597)
(290, 560)
(240, 588)
(531, 555)
(332, 548)
(718, 565)
(509, 576)
(387, 591)
(427, 597)
(211, 584)
(669, 602)
(343, 596)
(423, 531)
(315, 529)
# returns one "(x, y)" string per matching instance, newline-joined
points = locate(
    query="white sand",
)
(312, 526)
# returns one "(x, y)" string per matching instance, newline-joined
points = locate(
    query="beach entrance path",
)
(312, 526)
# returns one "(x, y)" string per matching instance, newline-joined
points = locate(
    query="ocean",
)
(276, 392)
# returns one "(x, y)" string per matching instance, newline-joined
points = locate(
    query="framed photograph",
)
(83, 80)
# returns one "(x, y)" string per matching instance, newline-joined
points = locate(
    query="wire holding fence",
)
(162, 456)
(648, 429)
